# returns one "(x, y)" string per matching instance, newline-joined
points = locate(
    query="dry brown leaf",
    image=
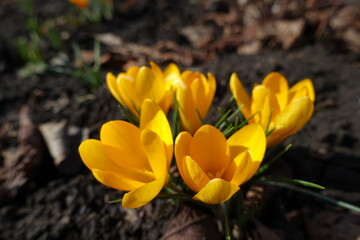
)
(198, 35)
(289, 32)
(28, 159)
(62, 141)
(188, 222)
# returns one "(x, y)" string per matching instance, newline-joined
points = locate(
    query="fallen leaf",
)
(189, 222)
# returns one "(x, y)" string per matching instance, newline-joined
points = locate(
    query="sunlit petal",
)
(143, 195)
(250, 137)
(291, 120)
(182, 146)
(196, 174)
(306, 83)
(155, 152)
(149, 86)
(166, 102)
(237, 172)
(199, 94)
(171, 73)
(210, 150)
(126, 88)
(122, 135)
(94, 156)
(216, 191)
(264, 106)
(154, 119)
(132, 72)
(241, 96)
(111, 84)
(133, 165)
(279, 86)
(189, 118)
(156, 70)
(212, 85)
(116, 180)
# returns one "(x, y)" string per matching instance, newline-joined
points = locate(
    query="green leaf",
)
(296, 181)
(222, 118)
(315, 194)
(175, 122)
(266, 166)
(115, 201)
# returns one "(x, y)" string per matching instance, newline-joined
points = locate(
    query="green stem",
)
(178, 191)
(317, 195)
(226, 221)
(267, 165)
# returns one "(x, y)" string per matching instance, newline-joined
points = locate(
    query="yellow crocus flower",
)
(280, 110)
(214, 167)
(130, 158)
(194, 94)
(80, 3)
(132, 87)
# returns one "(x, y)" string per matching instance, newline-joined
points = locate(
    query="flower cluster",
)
(212, 160)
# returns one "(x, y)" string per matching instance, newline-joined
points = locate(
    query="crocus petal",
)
(143, 195)
(113, 88)
(199, 94)
(253, 138)
(116, 180)
(155, 152)
(94, 156)
(125, 137)
(211, 91)
(240, 95)
(306, 83)
(133, 166)
(149, 86)
(154, 119)
(156, 70)
(264, 106)
(182, 146)
(250, 137)
(291, 120)
(166, 102)
(196, 175)
(202, 91)
(171, 73)
(189, 118)
(216, 191)
(187, 77)
(210, 150)
(237, 173)
(279, 86)
(212, 83)
(182, 150)
(132, 72)
(126, 87)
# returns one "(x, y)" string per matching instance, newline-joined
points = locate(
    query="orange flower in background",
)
(280, 110)
(135, 85)
(194, 94)
(132, 159)
(80, 3)
(214, 167)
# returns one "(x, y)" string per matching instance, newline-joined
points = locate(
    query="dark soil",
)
(39, 201)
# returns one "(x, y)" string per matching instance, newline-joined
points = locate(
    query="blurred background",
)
(54, 56)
